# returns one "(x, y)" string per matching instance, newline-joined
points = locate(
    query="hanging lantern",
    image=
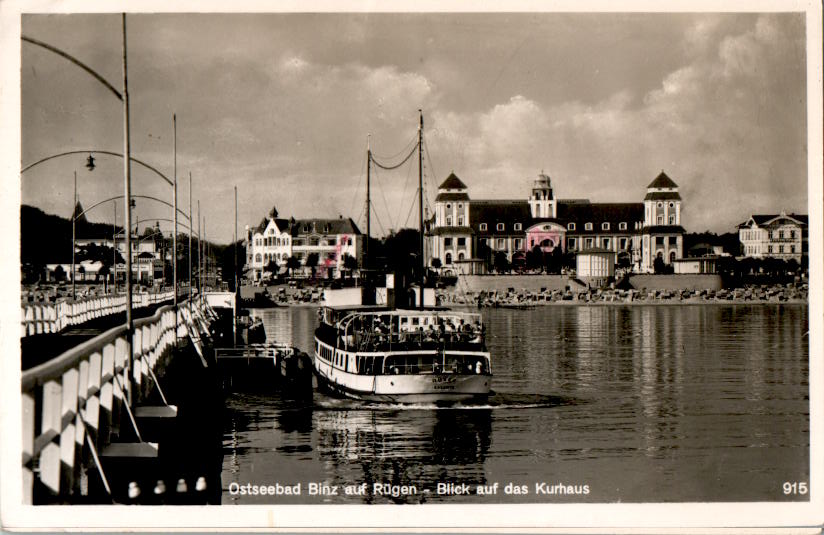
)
(90, 163)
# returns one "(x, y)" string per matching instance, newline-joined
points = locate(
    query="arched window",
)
(258, 258)
(448, 258)
(672, 257)
(460, 256)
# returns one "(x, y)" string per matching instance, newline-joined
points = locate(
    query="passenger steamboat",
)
(376, 344)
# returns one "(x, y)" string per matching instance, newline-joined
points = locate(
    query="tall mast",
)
(368, 201)
(420, 200)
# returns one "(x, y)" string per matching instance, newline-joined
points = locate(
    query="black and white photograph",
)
(411, 266)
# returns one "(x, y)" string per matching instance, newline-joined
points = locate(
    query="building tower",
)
(662, 205)
(663, 233)
(542, 201)
(451, 235)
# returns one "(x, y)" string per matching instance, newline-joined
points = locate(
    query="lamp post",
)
(74, 218)
(199, 256)
(189, 254)
(124, 97)
(114, 249)
(174, 234)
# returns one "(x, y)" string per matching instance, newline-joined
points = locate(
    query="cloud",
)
(717, 100)
(720, 125)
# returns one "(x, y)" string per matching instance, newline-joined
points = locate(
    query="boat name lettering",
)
(443, 379)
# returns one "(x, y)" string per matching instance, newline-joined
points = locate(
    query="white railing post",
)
(107, 393)
(68, 416)
(49, 430)
(92, 410)
(28, 447)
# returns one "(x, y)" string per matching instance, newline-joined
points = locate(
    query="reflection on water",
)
(642, 403)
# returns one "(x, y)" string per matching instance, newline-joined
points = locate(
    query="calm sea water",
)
(628, 403)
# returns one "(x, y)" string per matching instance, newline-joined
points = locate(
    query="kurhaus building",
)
(636, 232)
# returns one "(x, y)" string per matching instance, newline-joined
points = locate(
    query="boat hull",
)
(413, 388)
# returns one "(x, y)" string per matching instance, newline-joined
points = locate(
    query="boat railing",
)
(414, 340)
(467, 367)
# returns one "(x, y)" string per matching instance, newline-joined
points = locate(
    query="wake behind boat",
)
(368, 348)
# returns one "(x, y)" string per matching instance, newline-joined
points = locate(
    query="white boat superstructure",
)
(403, 356)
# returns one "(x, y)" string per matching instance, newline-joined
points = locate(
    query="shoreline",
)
(522, 298)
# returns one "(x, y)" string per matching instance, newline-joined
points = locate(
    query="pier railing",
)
(54, 317)
(72, 404)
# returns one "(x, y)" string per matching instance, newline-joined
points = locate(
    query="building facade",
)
(465, 233)
(276, 240)
(781, 236)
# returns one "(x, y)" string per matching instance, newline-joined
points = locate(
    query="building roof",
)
(451, 197)
(324, 226)
(597, 213)
(662, 181)
(493, 212)
(765, 219)
(282, 224)
(662, 196)
(452, 182)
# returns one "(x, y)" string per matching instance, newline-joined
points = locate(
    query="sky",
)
(280, 106)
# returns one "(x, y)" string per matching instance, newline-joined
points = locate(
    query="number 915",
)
(795, 487)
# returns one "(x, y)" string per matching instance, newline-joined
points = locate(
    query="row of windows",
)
(447, 242)
(265, 257)
(570, 226)
(448, 258)
(589, 243)
(661, 205)
(781, 249)
(502, 226)
(271, 241)
(314, 241)
(500, 243)
(749, 235)
(604, 226)
(780, 233)
(659, 241)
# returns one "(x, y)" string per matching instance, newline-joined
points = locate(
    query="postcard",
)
(548, 267)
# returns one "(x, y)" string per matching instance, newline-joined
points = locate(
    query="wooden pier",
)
(112, 422)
